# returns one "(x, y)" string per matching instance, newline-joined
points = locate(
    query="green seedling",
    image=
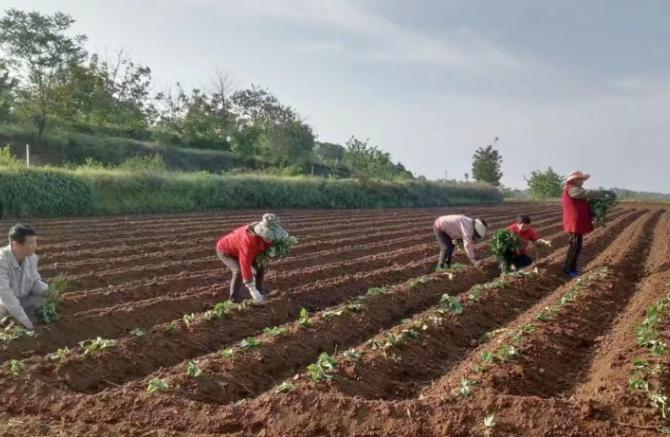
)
(60, 355)
(352, 354)
(355, 307)
(138, 332)
(418, 281)
(225, 308)
(16, 367)
(490, 421)
(475, 294)
(333, 313)
(277, 330)
(638, 384)
(375, 291)
(157, 385)
(410, 333)
(324, 368)
(640, 363)
(451, 303)
(98, 344)
(170, 327)
(285, 387)
(507, 352)
(48, 312)
(228, 353)
(192, 369)
(189, 319)
(12, 331)
(250, 343)
(466, 387)
(488, 357)
(304, 318)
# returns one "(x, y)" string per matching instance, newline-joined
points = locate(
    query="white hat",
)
(269, 228)
(480, 228)
(577, 175)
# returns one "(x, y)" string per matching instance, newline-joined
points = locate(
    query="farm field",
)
(359, 336)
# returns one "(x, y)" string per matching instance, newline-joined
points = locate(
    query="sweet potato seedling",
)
(60, 355)
(324, 368)
(97, 344)
(250, 343)
(16, 367)
(189, 319)
(451, 303)
(284, 387)
(304, 318)
(192, 369)
(157, 385)
(275, 331)
(352, 354)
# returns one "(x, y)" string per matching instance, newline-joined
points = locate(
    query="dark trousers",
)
(521, 261)
(574, 249)
(446, 248)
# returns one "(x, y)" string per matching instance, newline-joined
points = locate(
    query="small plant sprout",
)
(475, 294)
(507, 352)
(275, 331)
(157, 385)
(324, 368)
(638, 384)
(410, 333)
(60, 355)
(466, 387)
(304, 318)
(138, 332)
(418, 281)
(16, 367)
(285, 387)
(374, 291)
(490, 421)
(640, 363)
(228, 352)
(451, 303)
(352, 354)
(225, 308)
(170, 327)
(98, 344)
(192, 369)
(334, 313)
(488, 357)
(355, 307)
(189, 319)
(250, 343)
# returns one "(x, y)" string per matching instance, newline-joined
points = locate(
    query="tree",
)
(547, 184)
(330, 154)
(288, 143)
(38, 46)
(7, 92)
(486, 164)
(372, 162)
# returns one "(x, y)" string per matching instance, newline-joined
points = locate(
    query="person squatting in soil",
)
(238, 251)
(22, 290)
(529, 237)
(448, 228)
(577, 218)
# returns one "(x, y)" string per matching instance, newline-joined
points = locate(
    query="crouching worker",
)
(239, 249)
(529, 237)
(448, 228)
(22, 290)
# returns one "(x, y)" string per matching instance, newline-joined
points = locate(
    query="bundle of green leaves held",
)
(48, 313)
(279, 249)
(601, 206)
(504, 244)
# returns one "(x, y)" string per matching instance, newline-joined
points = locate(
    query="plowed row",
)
(406, 364)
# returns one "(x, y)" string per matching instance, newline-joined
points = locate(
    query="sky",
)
(572, 84)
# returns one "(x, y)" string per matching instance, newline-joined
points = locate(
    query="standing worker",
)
(448, 228)
(238, 251)
(577, 219)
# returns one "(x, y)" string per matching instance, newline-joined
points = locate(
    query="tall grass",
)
(93, 189)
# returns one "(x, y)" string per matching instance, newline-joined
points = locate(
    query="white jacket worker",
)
(22, 290)
(448, 228)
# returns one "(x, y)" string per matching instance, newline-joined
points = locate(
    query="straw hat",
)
(578, 175)
(269, 228)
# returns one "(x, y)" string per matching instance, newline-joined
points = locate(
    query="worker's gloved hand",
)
(255, 294)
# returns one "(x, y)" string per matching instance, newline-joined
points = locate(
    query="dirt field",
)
(536, 353)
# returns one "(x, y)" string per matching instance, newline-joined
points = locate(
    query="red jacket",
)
(576, 214)
(244, 245)
(529, 234)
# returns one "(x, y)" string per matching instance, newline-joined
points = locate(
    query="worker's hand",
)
(545, 242)
(255, 294)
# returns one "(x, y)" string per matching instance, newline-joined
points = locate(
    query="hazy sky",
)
(575, 84)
